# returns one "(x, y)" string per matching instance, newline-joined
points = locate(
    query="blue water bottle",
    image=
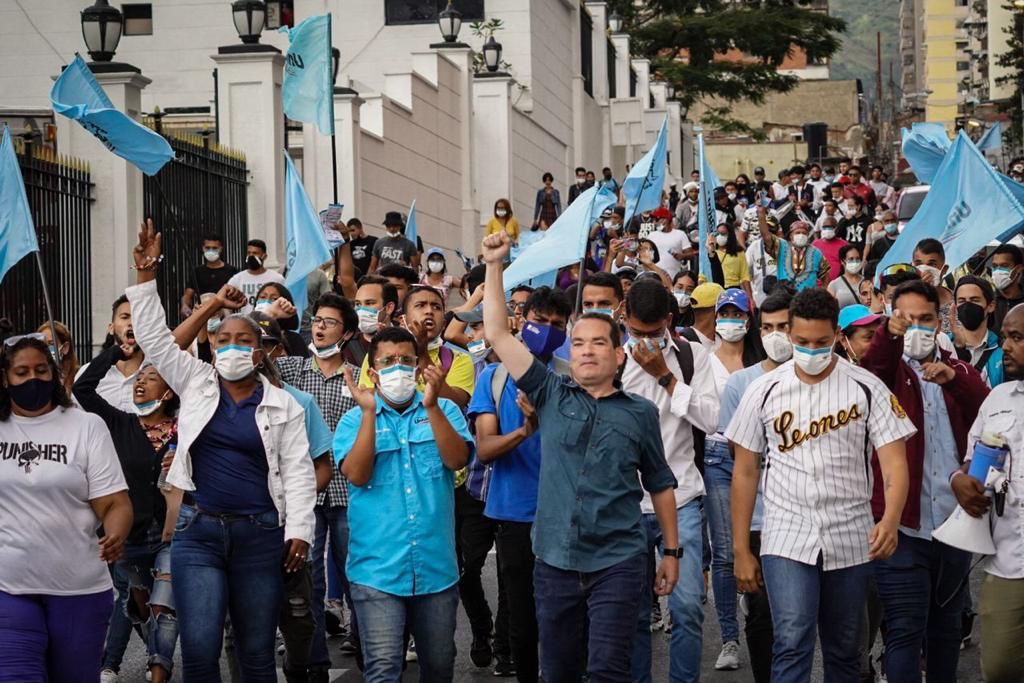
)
(990, 451)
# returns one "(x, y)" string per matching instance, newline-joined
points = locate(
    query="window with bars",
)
(632, 82)
(587, 50)
(611, 70)
(398, 12)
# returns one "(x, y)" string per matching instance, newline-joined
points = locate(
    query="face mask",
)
(888, 310)
(369, 321)
(212, 325)
(852, 267)
(970, 315)
(777, 346)
(721, 240)
(53, 353)
(435, 343)
(326, 352)
(812, 361)
(253, 262)
(478, 348)
(542, 340)
(800, 240)
(731, 330)
(393, 232)
(147, 408)
(234, 362)
(919, 342)
(930, 274)
(397, 383)
(500, 213)
(263, 305)
(31, 395)
(694, 236)
(651, 343)
(435, 266)
(211, 255)
(608, 225)
(579, 181)
(732, 196)
(682, 298)
(891, 228)
(828, 233)
(1002, 278)
(603, 311)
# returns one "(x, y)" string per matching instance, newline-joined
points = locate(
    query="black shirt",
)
(207, 280)
(854, 229)
(880, 248)
(362, 252)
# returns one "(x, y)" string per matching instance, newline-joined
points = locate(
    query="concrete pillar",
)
(622, 63)
(492, 142)
(470, 234)
(117, 208)
(659, 91)
(599, 41)
(675, 143)
(643, 80)
(252, 120)
(317, 165)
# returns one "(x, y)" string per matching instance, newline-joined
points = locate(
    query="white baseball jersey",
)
(817, 478)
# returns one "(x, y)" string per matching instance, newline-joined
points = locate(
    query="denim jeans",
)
(332, 525)
(383, 621)
(120, 631)
(222, 563)
(684, 603)
(805, 598)
(592, 613)
(718, 465)
(922, 591)
(148, 568)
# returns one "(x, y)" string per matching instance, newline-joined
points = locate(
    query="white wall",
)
(534, 152)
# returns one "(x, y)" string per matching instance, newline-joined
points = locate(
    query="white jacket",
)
(279, 417)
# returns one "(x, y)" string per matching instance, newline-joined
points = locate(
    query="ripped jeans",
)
(150, 600)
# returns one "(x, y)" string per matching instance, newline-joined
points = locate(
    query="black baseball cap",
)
(393, 218)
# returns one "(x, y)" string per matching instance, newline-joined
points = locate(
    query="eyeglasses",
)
(388, 361)
(12, 341)
(329, 323)
(898, 268)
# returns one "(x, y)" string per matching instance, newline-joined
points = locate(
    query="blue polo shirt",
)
(512, 492)
(402, 522)
(588, 504)
(317, 432)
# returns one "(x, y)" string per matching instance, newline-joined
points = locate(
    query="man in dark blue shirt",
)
(587, 534)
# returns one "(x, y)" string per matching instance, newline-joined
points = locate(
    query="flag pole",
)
(49, 309)
(583, 260)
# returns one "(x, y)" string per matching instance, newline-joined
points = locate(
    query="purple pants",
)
(53, 638)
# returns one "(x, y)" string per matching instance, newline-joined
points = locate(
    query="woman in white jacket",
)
(243, 465)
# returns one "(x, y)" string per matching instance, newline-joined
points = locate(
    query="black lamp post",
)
(615, 22)
(250, 18)
(492, 54)
(449, 20)
(101, 31)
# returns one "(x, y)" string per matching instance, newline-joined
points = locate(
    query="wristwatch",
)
(665, 380)
(673, 552)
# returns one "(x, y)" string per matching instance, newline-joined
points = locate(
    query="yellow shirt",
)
(460, 374)
(511, 227)
(734, 268)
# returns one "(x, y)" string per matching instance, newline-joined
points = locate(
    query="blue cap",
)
(733, 297)
(856, 315)
(436, 250)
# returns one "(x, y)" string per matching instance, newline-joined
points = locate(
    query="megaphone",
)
(974, 534)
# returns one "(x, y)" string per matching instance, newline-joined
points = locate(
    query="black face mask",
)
(971, 315)
(31, 395)
(253, 262)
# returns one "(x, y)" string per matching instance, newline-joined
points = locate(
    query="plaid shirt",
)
(334, 400)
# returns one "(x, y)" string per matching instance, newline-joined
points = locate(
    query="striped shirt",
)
(817, 478)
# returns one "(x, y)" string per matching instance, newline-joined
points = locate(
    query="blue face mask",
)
(603, 311)
(542, 340)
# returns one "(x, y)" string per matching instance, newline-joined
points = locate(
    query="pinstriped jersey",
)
(818, 439)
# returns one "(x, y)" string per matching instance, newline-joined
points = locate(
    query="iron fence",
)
(202, 191)
(59, 194)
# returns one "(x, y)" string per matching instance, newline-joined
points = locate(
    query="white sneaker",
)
(108, 676)
(729, 657)
(410, 654)
(149, 675)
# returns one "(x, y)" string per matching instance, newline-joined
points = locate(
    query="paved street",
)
(346, 672)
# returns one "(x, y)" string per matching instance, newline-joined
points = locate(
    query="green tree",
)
(1013, 59)
(682, 38)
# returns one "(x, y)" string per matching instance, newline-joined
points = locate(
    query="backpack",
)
(684, 356)
(558, 365)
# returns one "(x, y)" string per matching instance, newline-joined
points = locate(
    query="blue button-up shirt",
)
(940, 458)
(588, 503)
(402, 522)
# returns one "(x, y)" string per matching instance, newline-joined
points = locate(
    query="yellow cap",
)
(706, 295)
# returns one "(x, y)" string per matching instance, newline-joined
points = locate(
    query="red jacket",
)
(963, 395)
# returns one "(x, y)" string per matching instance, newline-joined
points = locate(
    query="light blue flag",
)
(706, 208)
(565, 241)
(642, 187)
(993, 137)
(78, 96)
(17, 232)
(410, 224)
(307, 246)
(308, 88)
(924, 145)
(968, 206)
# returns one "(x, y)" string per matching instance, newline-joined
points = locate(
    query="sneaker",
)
(505, 668)
(666, 624)
(410, 654)
(108, 676)
(349, 646)
(149, 675)
(729, 657)
(656, 620)
(332, 624)
(480, 651)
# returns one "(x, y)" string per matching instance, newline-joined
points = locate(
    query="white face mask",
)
(812, 361)
(777, 346)
(682, 298)
(369, 320)
(919, 342)
(397, 383)
(580, 180)
(435, 266)
(800, 240)
(393, 232)
(234, 362)
(608, 225)
(500, 213)
(852, 267)
(147, 408)
(263, 305)
(930, 274)
(212, 324)
(828, 233)
(694, 236)
(477, 348)
(721, 240)
(1002, 278)
(326, 352)
(888, 309)
(211, 255)
(435, 343)
(731, 330)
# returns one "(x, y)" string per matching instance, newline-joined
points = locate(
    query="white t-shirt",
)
(115, 388)
(251, 284)
(667, 242)
(50, 468)
(757, 273)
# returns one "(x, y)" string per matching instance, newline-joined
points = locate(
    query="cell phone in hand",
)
(630, 245)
